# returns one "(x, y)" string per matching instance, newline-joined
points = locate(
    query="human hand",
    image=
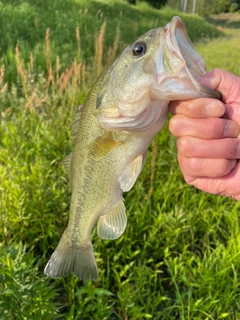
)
(208, 147)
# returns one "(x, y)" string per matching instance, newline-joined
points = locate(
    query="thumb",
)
(224, 82)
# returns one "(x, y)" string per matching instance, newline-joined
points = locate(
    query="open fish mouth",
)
(161, 66)
(180, 41)
(179, 66)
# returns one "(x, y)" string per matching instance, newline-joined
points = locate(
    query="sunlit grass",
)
(222, 53)
(179, 256)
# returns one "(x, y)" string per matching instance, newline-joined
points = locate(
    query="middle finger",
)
(211, 128)
(190, 147)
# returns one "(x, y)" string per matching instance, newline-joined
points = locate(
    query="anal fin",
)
(113, 223)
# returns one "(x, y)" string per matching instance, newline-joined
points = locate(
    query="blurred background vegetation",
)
(179, 257)
(201, 7)
(205, 7)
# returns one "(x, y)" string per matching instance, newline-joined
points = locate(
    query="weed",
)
(179, 257)
(23, 292)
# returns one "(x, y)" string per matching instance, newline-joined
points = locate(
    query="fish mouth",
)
(183, 66)
(184, 47)
(171, 70)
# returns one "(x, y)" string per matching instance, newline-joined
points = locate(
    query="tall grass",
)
(179, 257)
(24, 23)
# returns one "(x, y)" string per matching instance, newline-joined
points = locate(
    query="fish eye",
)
(139, 48)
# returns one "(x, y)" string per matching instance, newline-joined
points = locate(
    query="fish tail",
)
(75, 259)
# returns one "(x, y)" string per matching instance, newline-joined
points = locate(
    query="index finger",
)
(198, 108)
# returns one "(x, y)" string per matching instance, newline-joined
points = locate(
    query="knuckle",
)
(191, 107)
(191, 167)
(171, 125)
(174, 125)
(195, 164)
(196, 107)
(185, 146)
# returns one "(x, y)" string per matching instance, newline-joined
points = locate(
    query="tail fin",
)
(68, 259)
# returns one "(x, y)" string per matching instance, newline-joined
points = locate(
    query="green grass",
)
(179, 256)
(223, 53)
(24, 23)
(226, 20)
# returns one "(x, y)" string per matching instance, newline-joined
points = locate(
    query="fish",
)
(126, 107)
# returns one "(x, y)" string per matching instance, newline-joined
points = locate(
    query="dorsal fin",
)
(67, 162)
(76, 121)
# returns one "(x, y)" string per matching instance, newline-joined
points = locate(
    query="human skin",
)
(207, 132)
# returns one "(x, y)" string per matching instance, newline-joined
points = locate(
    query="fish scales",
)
(125, 109)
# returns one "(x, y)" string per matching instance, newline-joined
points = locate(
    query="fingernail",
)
(231, 130)
(215, 109)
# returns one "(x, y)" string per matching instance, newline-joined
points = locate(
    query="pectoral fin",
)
(113, 223)
(102, 145)
(130, 174)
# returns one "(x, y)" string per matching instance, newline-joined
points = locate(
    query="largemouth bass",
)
(125, 109)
